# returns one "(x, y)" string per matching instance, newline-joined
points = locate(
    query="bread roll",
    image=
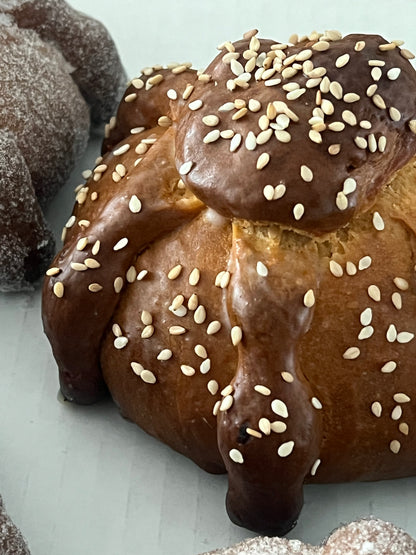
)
(58, 68)
(239, 272)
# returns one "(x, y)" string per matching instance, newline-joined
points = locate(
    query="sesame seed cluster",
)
(279, 348)
(301, 126)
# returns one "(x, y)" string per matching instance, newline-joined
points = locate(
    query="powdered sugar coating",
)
(58, 68)
(11, 540)
(364, 537)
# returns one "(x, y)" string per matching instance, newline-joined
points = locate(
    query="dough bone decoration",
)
(239, 268)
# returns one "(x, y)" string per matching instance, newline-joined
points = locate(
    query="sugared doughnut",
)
(58, 66)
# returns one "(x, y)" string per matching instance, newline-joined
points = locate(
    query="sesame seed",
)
(412, 126)
(146, 317)
(187, 93)
(336, 90)
(82, 243)
(341, 201)
(376, 409)
(261, 269)
(361, 142)
(226, 403)
(118, 284)
(185, 168)
(211, 120)
(349, 117)
(396, 413)
(309, 298)
(121, 244)
(164, 121)
(213, 387)
(401, 283)
(395, 446)
(264, 426)
(351, 353)
(393, 73)
(298, 211)
(404, 428)
(306, 173)
(165, 354)
(286, 449)
(225, 280)
(391, 334)
(78, 267)
(130, 97)
(396, 299)
(187, 370)
(235, 142)
(177, 330)
(374, 293)
(200, 351)
(287, 377)
(137, 368)
(349, 98)
(53, 271)
(295, 94)
(121, 150)
(236, 456)
(315, 136)
(141, 275)
(320, 46)
(371, 90)
(315, 467)
(200, 315)
(365, 333)
(254, 105)
(351, 268)
(137, 130)
(401, 398)
(194, 277)
(135, 204)
(335, 268)
(95, 287)
(193, 302)
(175, 272)
(172, 94)
(236, 335)
(283, 136)
(205, 366)
(389, 367)
(227, 107)
(59, 289)
(364, 262)
(336, 126)
(378, 221)
(405, 337)
(382, 143)
(316, 403)
(366, 316)
(263, 390)
(120, 342)
(279, 408)
(262, 160)
(334, 149)
(250, 142)
(227, 134)
(378, 101)
(147, 331)
(365, 124)
(227, 390)
(212, 136)
(376, 73)
(407, 55)
(148, 377)
(216, 408)
(213, 327)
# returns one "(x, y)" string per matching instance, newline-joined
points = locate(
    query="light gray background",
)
(81, 480)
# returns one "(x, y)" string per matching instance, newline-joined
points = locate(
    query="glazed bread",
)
(239, 270)
(58, 68)
(370, 536)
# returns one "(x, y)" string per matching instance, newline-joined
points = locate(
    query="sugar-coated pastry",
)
(370, 536)
(58, 68)
(11, 540)
(239, 270)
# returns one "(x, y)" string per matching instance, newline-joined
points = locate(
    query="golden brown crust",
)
(277, 355)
